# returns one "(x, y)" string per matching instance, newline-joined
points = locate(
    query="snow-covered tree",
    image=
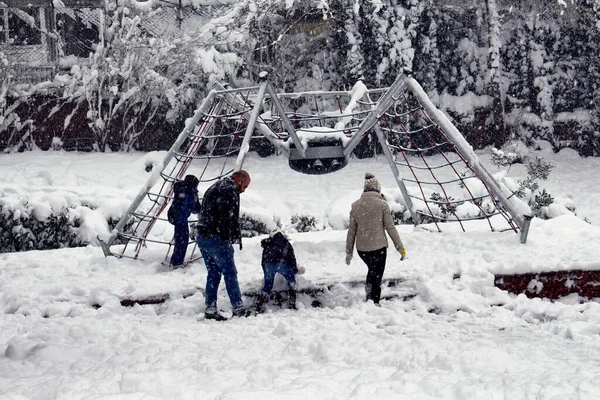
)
(133, 79)
(381, 36)
(119, 87)
(427, 61)
(15, 130)
(494, 75)
(526, 66)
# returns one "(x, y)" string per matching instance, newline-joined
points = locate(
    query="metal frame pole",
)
(467, 152)
(261, 126)
(396, 172)
(189, 127)
(382, 105)
(250, 128)
(286, 121)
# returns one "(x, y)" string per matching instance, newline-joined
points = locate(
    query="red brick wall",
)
(551, 285)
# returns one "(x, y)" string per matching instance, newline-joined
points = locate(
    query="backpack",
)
(178, 198)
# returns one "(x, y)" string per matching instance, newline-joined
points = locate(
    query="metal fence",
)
(25, 74)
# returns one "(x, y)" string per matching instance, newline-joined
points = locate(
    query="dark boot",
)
(368, 292)
(215, 316)
(260, 301)
(292, 299)
(243, 312)
(376, 293)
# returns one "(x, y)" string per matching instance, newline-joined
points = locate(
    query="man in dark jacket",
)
(218, 228)
(278, 256)
(185, 202)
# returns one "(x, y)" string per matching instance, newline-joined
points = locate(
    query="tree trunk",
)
(498, 129)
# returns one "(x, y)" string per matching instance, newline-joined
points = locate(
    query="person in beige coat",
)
(370, 219)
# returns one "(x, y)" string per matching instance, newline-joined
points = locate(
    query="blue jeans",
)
(270, 269)
(218, 258)
(180, 243)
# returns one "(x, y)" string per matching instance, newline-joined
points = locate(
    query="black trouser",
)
(181, 238)
(375, 261)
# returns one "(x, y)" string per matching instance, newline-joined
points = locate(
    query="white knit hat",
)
(371, 183)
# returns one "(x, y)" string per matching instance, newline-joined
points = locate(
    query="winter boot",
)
(292, 299)
(243, 312)
(376, 294)
(260, 301)
(215, 316)
(368, 292)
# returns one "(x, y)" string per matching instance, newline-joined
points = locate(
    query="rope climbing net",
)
(444, 185)
(439, 176)
(209, 142)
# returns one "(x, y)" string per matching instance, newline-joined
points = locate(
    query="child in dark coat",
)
(185, 202)
(278, 256)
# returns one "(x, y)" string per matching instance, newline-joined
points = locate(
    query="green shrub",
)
(252, 226)
(304, 223)
(25, 233)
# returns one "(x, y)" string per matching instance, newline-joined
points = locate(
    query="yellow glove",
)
(403, 254)
(348, 258)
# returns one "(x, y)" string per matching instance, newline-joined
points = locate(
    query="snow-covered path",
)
(65, 334)
(356, 352)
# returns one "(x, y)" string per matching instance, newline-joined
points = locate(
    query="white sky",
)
(481, 343)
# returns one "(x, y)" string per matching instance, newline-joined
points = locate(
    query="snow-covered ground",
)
(449, 335)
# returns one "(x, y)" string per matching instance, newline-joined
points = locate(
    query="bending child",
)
(278, 256)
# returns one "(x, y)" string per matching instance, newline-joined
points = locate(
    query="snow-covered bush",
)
(337, 214)
(252, 227)
(401, 217)
(444, 208)
(255, 217)
(255, 224)
(23, 232)
(304, 223)
(400, 213)
(537, 169)
(528, 189)
(35, 225)
(509, 155)
(57, 144)
(541, 201)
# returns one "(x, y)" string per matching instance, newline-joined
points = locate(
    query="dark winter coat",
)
(220, 212)
(277, 249)
(185, 202)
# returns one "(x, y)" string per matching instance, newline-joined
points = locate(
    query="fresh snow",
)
(65, 335)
